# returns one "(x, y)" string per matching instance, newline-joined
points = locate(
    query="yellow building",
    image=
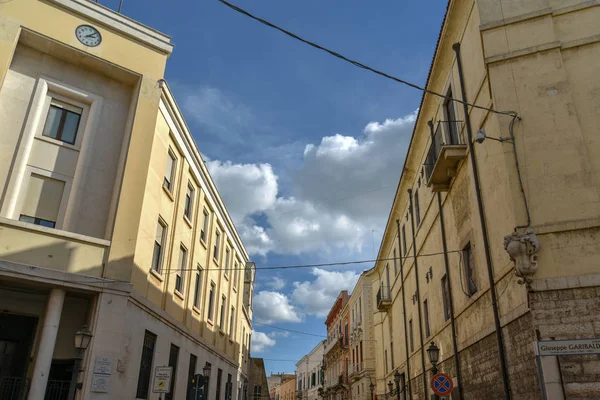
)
(491, 247)
(108, 216)
(287, 390)
(335, 354)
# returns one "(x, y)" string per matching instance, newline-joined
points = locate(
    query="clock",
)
(88, 35)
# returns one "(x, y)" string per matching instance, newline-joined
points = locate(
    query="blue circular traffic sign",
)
(442, 384)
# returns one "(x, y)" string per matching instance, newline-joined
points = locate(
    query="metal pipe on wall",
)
(486, 244)
(404, 311)
(412, 223)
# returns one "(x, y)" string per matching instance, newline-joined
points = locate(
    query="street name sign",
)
(162, 379)
(442, 384)
(568, 347)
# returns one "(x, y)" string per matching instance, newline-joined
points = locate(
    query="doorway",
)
(16, 338)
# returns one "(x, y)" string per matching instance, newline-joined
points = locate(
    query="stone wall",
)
(571, 314)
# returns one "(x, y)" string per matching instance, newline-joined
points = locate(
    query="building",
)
(336, 350)
(288, 389)
(309, 373)
(274, 381)
(496, 239)
(108, 216)
(258, 387)
(361, 369)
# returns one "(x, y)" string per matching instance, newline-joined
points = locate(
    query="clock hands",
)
(91, 35)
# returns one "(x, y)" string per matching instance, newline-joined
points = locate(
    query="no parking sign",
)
(442, 384)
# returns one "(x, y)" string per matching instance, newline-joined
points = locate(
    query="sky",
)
(306, 150)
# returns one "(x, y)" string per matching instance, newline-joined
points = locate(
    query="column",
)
(43, 359)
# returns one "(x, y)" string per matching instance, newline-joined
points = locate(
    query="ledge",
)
(157, 275)
(168, 192)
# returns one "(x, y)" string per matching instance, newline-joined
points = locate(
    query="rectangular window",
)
(417, 209)
(173, 358)
(222, 316)
(143, 385)
(446, 297)
(452, 122)
(192, 368)
(231, 322)
(385, 357)
(159, 241)
(395, 264)
(236, 274)
(360, 309)
(426, 316)
(227, 252)
(204, 226)
(62, 122)
(469, 270)
(411, 335)
(392, 354)
(211, 302)
(217, 245)
(229, 387)
(219, 378)
(189, 201)
(181, 271)
(42, 201)
(170, 171)
(197, 286)
(404, 248)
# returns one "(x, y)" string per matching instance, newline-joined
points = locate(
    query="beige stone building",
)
(309, 374)
(108, 217)
(287, 389)
(491, 248)
(336, 354)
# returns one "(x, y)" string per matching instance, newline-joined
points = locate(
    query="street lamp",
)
(433, 353)
(83, 337)
(397, 379)
(372, 387)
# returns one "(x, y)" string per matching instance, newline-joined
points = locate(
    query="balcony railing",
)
(384, 299)
(355, 368)
(12, 388)
(445, 152)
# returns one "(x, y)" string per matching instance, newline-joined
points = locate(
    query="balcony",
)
(384, 299)
(446, 151)
(355, 369)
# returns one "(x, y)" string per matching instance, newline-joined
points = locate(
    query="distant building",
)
(288, 389)
(274, 381)
(336, 351)
(309, 375)
(258, 386)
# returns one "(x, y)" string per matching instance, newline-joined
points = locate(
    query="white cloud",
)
(273, 307)
(260, 341)
(279, 334)
(276, 283)
(317, 296)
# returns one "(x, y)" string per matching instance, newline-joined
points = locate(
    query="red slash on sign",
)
(442, 384)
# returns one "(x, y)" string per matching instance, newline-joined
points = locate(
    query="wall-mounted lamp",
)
(414, 298)
(480, 137)
(429, 274)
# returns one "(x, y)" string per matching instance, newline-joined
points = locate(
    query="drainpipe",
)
(404, 310)
(486, 244)
(414, 246)
(447, 269)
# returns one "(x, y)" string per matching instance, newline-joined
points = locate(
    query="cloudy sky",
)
(306, 150)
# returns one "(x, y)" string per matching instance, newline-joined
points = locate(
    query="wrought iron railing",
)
(57, 390)
(447, 133)
(13, 388)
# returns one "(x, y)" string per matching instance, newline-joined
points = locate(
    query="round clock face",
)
(88, 35)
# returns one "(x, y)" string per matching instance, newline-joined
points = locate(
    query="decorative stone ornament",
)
(522, 247)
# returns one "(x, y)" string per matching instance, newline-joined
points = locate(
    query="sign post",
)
(162, 380)
(442, 384)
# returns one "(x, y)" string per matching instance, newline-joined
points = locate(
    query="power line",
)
(359, 64)
(290, 330)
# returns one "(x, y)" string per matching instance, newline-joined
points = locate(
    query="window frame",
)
(222, 317)
(198, 286)
(217, 245)
(169, 184)
(205, 225)
(232, 323)
(182, 267)
(165, 228)
(144, 382)
(446, 297)
(411, 335)
(188, 208)
(211, 302)
(426, 318)
(468, 266)
(64, 107)
(417, 208)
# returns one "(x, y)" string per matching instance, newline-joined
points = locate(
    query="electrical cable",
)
(359, 64)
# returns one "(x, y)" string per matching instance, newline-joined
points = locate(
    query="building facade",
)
(493, 229)
(362, 357)
(336, 350)
(274, 381)
(258, 386)
(309, 373)
(287, 389)
(108, 216)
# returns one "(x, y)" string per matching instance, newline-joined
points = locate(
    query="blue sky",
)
(306, 150)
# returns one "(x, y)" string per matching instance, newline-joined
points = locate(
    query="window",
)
(392, 354)
(360, 309)
(170, 171)
(146, 365)
(211, 302)
(386, 361)
(173, 358)
(426, 314)
(62, 122)
(417, 209)
(451, 116)
(197, 286)
(395, 264)
(229, 387)
(219, 378)
(446, 297)
(469, 270)
(257, 392)
(181, 271)
(159, 241)
(404, 248)
(231, 322)
(222, 316)
(313, 379)
(192, 368)
(217, 245)
(227, 252)
(42, 201)
(236, 273)
(411, 335)
(189, 201)
(204, 226)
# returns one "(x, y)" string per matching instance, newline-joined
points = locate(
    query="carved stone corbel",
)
(522, 247)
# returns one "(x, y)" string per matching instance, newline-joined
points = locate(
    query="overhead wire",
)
(359, 64)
